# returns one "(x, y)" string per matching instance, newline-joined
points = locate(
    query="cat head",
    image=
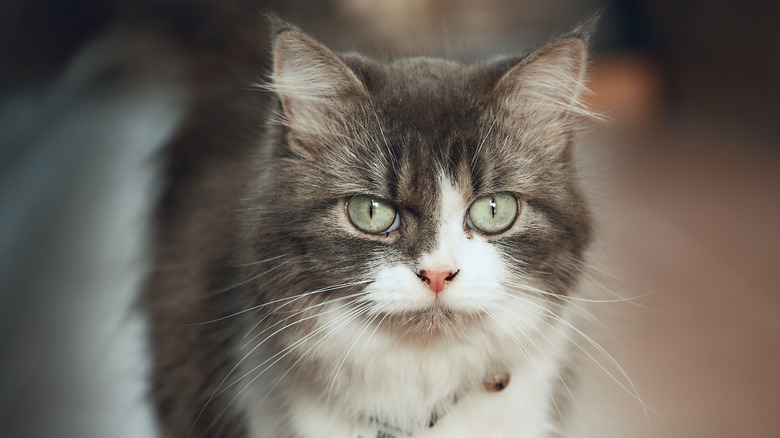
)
(423, 191)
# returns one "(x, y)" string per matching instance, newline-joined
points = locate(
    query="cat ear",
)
(313, 83)
(545, 88)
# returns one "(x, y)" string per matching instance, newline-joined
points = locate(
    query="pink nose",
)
(437, 280)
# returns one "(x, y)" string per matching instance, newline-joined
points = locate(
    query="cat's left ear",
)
(313, 83)
(545, 88)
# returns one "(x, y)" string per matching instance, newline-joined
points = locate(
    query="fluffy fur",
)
(291, 322)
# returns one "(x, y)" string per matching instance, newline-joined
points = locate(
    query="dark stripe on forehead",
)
(391, 178)
(478, 176)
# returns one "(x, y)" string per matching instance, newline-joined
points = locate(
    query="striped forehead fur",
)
(421, 116)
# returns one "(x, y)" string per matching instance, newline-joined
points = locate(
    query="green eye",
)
(372, 215)
(492, 214)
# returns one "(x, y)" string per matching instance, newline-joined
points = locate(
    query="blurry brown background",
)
(685, 180)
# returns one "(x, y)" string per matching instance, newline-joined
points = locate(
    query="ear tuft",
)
(311, 81)
(586, 28)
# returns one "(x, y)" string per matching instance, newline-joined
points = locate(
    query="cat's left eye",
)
(493, 213)
(372, 215)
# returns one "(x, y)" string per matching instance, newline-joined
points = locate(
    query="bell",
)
(497, 382)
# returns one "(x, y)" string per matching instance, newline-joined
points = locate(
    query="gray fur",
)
(258, 225)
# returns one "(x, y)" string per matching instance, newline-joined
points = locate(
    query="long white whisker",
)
(363, 310)
(295, 298)
(287, 350)
(365, 344)
(227, 376)
(521, 287)
(572, 298)
(530, 359)
(259, 262)
(631, 300)
(292, 298)
(630, 389)
(346, 297)
(217, 391)
(560, 353)
(252, 278)
(344, 359)
(479, 147)
(350, 317)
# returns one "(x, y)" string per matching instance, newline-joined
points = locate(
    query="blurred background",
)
(685, 179)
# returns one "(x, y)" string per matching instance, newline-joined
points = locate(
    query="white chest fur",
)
(395, 386)
(519, 411)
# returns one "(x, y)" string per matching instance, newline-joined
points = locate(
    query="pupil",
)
(493, 206)
(373, 204)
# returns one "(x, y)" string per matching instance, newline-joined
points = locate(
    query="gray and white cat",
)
(393, 257)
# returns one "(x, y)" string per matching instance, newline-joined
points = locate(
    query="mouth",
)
(433, 321)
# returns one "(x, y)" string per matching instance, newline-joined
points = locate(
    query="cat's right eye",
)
(372, 215)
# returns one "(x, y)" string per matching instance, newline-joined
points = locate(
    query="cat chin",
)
(434, 321)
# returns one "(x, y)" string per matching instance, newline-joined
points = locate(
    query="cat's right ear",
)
(314, 85)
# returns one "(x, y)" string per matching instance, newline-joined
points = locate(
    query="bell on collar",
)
(496, 382)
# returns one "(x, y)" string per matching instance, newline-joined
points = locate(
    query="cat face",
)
(458, 277)
(428, 194)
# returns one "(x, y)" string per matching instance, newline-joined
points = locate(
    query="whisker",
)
(227, 376)
(360, 355)
(520, 287)
(297, 297)
(242, 265)
(298, 360)
(252, 278)
(217, 391)
(479, 147)
(630, 389)
(631, 300)
(344, 359)
(560, 353)
(293, 298)
(530, 359)
(350, 317)
(571, 298)
(287, 350)
(382, 132)
(346, 297)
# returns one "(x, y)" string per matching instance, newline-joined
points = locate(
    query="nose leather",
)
(437, 280)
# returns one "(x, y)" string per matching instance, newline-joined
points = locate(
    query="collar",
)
(494, 382)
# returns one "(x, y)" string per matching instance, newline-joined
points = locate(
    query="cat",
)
(392, 255)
